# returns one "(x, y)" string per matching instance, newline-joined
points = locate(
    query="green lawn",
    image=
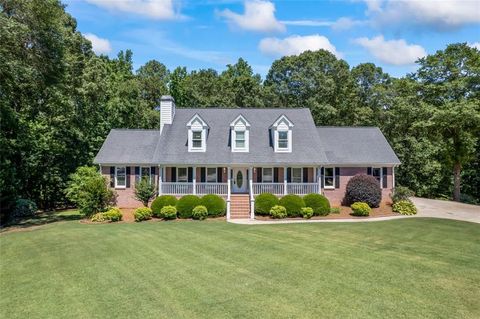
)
(407, 268)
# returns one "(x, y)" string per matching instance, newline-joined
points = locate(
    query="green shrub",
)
(264, 203)
(215, 204)
(142, 213)
(98, 218)
(404, 207)
(186, 204)
(401, 193)
(335, 210)
(278, 212)
(468, 199)
(168, 212)
(162, 201)
(319, 204)
(24, 208)
(293, 204)
(307, 212)
(113, 214)
(360, 209)
(145, 191)
(363, 188)
(200, 212)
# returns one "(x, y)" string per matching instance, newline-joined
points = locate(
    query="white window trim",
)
(116, 184)
(206, 175)
(246, 135)
(240, 124)
(178, 175)
(323, 177)
(287, 127)
(301, 174)
(149, 173)
(263, 174)
(381, 174)
(202, 127)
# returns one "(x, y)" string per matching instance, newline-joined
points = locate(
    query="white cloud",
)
(475, 45)
(258, 16)
(155, 9)
(99, 45)
(438, 14)
(345, 23)
(296, 44)
(396, 52)
(308, 23)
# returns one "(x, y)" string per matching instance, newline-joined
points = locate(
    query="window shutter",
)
(289, 174)
(305, 174)
(190, 174)
(219, 174)
(321, 176)
(384, 177)
(203, 174)
(337, 177)
(275, 174)
(369, 171)
(137, 174)
(174, 174)
(153, 171)
(112, 176)
(128, 176)
(259, 175)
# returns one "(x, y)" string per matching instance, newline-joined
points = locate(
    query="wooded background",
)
(59, 100)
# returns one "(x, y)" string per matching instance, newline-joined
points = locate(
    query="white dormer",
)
(197, 134)
(282, 135)
(240, 134)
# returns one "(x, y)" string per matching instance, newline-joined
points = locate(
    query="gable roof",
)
(356, 145)
(124, 146)
(306, 146)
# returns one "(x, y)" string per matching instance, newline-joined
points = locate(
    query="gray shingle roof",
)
(356, 145)
(306, 146)
(124, 146)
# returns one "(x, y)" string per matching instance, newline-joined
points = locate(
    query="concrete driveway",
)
(446, 209)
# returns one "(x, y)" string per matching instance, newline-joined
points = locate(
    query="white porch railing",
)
(174, 188)
(274, 188)
(302, 188)
(212, 188)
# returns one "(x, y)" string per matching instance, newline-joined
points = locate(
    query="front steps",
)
(239, 206)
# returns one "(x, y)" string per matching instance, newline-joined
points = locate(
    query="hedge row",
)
(293, 205)
(185, 206)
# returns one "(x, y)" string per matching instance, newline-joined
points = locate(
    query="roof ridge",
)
(242, 108)
(347, 126)
(135, 129)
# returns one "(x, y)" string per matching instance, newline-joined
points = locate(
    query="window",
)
(120, 176)
(197, 139)
(329, 177)
(182, 174)
(211, 174)
(267, 175)
(283, 139)
(239, 139)
(145, 173)
(297, 175)
(377, 173)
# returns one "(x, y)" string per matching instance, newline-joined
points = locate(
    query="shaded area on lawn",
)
(43, 218)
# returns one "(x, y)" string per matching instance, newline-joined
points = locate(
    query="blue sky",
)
(211, 34)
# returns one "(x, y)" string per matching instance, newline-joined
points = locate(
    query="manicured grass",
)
(413, 268)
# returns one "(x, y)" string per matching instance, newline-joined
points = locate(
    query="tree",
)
(153, 79)
(145, 191)
(89, 190)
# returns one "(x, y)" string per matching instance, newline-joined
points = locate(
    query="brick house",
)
(239, 153)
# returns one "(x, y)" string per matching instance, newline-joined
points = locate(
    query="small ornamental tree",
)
(363, 188)
(145, 191)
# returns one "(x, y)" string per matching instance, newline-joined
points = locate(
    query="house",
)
(240, 153)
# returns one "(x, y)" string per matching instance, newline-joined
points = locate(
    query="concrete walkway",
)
(426, 208)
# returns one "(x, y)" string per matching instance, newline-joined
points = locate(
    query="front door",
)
(239, 180)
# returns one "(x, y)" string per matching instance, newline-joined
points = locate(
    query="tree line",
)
(59, 100)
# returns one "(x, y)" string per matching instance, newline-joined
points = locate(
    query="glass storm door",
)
(239, 180)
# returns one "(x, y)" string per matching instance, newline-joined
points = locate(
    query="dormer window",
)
(240, 133)
(281, 131)
(197, 134)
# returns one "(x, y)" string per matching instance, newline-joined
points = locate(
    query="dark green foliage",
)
(168, 212)
(145, 191)
(199, 212)
(162, 201)
(24, 208)
(264, 203)
(143, 213)
(293, 204)
(404, 207)
(186, 204)
(360, 209)
(278, 212)
(363, 188)
(215, 204)
(401, 193)
(319, 204)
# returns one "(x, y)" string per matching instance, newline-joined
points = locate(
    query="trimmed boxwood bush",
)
(98, 218)
(404, 207)
(293, 204)
(264, 203)
(278, 212)
(307, 212)
(200, 212)
(363, 188)
(319, 204)
(142, 213)
(168, 212)
(215, 205)
(360, 209)
(186, 204)
(162, 201)
(113, 214)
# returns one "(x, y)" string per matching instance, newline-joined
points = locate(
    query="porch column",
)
(250, 186)
(160, 177)
(194, 180)
(319, 179)
(229, 190)
(285, 184)
(393, 177)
